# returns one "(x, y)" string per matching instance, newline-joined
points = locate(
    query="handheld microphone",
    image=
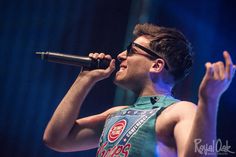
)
(74, 60)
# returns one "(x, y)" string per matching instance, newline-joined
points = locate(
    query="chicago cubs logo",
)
(116, 130)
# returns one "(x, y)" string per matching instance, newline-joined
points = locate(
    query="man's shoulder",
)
(180, 109)
(113, 110)
(183, 105)
(173, 114)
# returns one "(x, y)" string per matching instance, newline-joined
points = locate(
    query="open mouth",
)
(122, 67)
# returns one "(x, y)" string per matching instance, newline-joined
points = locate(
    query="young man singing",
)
(157, 124)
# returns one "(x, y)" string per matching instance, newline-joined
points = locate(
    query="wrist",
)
(208, 104)
(86, 78)
(209, 99)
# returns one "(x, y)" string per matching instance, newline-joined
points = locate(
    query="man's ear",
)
(157, 66)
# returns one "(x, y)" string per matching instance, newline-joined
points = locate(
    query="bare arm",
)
(203, 125)
(64, 132)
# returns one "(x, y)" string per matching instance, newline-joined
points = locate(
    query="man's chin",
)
(117, 82)
(121, 83)
(118, 79)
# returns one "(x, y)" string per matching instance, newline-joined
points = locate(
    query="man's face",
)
(134, 69)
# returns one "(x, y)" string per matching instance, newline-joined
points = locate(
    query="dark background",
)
(31, 89)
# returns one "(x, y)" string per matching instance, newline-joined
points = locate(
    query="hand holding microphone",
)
(101, 65)
(91, 62)
(99, 74)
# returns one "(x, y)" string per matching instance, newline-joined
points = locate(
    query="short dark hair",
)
(170, 44)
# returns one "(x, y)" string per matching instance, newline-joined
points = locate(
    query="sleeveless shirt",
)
(130, 132)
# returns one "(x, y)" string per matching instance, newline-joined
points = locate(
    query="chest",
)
(129, 122)
(164, 127)
(130, 131)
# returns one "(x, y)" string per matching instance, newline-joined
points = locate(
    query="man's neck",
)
(155, 90)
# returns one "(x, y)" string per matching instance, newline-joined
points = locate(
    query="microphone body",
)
(74, 60)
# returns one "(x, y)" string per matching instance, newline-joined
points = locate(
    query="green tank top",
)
(130, 132)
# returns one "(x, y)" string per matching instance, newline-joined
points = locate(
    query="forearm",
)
(68, 110)
(203, 132)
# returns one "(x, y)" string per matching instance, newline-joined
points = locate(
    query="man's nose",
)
(122, 56)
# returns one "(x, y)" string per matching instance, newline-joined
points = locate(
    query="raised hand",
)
(217, 78)
(99, 74)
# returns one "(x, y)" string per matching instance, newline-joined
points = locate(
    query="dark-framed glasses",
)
(152, 54)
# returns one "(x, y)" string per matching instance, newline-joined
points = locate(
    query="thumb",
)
(111, 67)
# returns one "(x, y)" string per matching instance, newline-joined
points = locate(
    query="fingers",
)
(222, 73)
(100, 56)
(215, 70)
(229, 67)
(209, 69)
(219, 71)
(94, 55)
(111, 66)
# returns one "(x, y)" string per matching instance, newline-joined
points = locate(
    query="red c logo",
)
(116, 130)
